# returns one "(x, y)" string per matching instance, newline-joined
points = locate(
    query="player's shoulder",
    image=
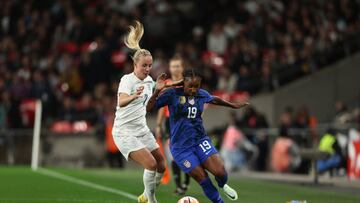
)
(128, 77)
(203, 92)
(178, 90)
(170, 90)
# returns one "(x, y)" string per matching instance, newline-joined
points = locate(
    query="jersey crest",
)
(187, 164)
(182, 100)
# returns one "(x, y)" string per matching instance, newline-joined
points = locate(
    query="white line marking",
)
(43, 200)
(85, 183)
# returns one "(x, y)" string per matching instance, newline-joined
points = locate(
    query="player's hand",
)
(240, 105)
(135, 96)
(138, 92)
(160, 82)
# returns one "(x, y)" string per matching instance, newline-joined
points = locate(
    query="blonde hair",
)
(133, 38)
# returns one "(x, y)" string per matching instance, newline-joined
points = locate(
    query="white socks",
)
(158, 177)
(150, 185)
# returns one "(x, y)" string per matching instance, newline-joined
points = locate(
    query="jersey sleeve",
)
(206, 96)
(124, 86)
(163, 99)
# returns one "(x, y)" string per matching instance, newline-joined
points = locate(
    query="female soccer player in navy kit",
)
(190, 146)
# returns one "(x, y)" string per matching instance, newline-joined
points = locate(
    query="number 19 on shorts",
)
(205, 145)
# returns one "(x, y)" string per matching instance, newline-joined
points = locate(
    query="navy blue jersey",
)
(186, 125)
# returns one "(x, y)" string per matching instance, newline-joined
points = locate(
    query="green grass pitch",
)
(20, 184)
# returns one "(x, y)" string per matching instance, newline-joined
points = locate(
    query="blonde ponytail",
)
(133, 38)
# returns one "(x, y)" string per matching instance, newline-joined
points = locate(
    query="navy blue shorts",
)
(194, 156)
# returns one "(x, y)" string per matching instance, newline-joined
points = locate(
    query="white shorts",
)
(128, 142)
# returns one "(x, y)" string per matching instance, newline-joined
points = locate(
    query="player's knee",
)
(151, 165)
(199, 177)
(161, 165)
(220, 172)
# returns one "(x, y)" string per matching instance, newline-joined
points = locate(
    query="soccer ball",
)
(188, 199)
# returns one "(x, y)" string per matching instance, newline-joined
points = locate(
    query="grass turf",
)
(20, 184)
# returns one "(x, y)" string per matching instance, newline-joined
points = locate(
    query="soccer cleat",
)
(184, 187)
(142, 198)
(230, 193)
(179, 191)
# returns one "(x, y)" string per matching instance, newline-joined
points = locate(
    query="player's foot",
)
(184, 187)
(230, 193)
(179, 191)
(142, 198)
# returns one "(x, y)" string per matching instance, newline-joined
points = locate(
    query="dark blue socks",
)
(210, 191)
(221, 180)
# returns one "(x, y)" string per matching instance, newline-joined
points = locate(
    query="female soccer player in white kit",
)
(131, 134)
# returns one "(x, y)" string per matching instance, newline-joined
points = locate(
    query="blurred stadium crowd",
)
(70, 54)
(244, 142)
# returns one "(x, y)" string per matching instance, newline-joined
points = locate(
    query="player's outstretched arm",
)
(220, 102)
(160, 85)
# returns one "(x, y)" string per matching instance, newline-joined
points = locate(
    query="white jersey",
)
(131, 118)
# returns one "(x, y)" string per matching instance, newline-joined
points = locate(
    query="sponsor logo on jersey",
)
(187, 164)
(182, 100)
(191, 100)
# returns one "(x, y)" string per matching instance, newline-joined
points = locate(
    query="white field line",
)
(43, 200)
(85, 183)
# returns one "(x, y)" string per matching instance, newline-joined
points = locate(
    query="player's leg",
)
(133, 148)
(149, 141)
(176, 171)
(186, 183)
(211, 161)
(160, 165)
(200, 175)
(190, 163)
(177, 178)
(146, 160)
(215, 166)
